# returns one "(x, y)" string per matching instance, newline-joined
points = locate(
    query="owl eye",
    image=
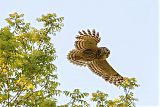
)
(108, 51)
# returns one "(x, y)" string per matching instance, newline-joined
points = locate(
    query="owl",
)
(87, 53)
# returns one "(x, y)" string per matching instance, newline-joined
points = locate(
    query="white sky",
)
(129, 28)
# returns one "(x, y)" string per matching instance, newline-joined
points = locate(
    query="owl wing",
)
(87, 40)
(81, 57)
(102, 68)
(74, 57)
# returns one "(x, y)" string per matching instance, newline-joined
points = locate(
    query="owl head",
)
(105, 51)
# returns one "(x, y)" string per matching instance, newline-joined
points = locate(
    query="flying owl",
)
(86, 53)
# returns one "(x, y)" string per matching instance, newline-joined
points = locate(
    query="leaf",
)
(26, 58)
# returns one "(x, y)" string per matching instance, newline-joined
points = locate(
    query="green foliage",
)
(76, 98)
(48, 103)
(129, 84)
(27, 72)
(51, 23)
(126, 100)
(16, 22)
(100, 97)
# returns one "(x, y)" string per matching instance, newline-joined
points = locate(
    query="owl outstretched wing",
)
(74, 56)
(86, 48)
(87, 40)
(102, 68)
(82, 57)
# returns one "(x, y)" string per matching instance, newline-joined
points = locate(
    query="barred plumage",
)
(89, 32)
(94, 32)
(88, 54)
(73, 58)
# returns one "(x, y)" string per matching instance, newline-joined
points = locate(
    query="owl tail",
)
(75, 58)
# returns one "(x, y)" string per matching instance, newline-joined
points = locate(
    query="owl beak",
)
(108, 52)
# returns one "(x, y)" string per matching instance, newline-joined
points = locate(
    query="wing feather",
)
(93, 32)
(74, 57)
(87, 40)
(103, 69)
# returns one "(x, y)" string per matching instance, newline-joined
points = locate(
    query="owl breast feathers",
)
(86, 53)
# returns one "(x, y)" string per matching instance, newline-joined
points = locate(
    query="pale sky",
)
(129, 28)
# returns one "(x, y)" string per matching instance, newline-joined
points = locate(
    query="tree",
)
(101, 99)
(126, 100)
(76, 98)
(27, 72)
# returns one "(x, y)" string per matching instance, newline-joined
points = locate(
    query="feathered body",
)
(86, 53)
